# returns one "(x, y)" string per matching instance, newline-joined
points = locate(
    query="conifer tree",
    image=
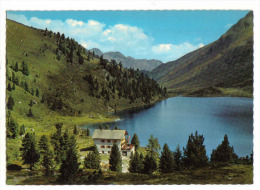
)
(195, 152)
(22, 130)
(13, 87)
(30, 153)
(224, 152)
(48, 162)
(136, 165)
(13, 77)
(177, 158)
(166, 160)
(10, 103)
(135, 141)
(16, 68)
(46, 154)
(115, 159)
(70, 165)
(154, 146)
(88, 132)
(150, 164)
(26, 87)
(43, 144)
(32, 91)
(92, 160)
(65, 144)
(12, 128)
(75, 130)
(31, 103)
(25, 69)
(37, 92)
(30, 114)
(9, 88)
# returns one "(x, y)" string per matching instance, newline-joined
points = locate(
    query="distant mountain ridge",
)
(226, 65)
(127, 62)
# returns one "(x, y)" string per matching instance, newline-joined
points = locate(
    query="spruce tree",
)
(30, 114)
(166, 160)
(88, 132)
(65, 144)
(92, 160)
(22, 130)
(10, 103)
(75, 130)
(135, 165)
(30, 153)
(9, 88)
(32, 91)
(150, 164)
(135, 141)
(26, 87)
(48, 162)
(16, 68)
(13, 87)
(154, 146)
(195, 152)
(12, 128)
(43, 144)
(37, 92)
(224, 152)
(177, 158)
(31, 103)
(115, 159)
(70, 166)
(25, 69)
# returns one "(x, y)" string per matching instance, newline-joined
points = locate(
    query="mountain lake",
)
(174, 119)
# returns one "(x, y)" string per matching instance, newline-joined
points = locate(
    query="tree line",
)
(60, 152)
(193, 156)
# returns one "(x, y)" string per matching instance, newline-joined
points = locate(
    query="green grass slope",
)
(226, 64)
(64, 93)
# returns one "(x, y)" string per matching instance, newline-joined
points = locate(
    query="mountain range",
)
(129, 62)
(221, 68)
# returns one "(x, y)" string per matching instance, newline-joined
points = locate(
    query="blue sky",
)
(163, 35)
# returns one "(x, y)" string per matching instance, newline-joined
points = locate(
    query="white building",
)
(105, 138)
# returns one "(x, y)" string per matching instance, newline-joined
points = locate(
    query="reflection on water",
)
(174, 119)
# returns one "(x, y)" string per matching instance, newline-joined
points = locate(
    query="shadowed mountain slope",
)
(226, 64)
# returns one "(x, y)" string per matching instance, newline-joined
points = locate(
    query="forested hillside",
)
(51, 78)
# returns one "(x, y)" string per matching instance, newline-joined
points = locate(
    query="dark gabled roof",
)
(108, 134)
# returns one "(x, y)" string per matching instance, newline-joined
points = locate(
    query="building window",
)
(108, 146)
(108, 141)
(124, 153)
(102, 140)
(114, 141)
(109, 152)
(102, 146)
(103, 152)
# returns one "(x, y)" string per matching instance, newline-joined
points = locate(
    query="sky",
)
(162, 35)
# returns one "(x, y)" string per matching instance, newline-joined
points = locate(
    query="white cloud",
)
(74, 22)
(130, 40)
(172, 52)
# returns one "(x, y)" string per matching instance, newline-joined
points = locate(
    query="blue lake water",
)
(174, 119)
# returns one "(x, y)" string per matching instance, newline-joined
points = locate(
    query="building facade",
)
(105, 138)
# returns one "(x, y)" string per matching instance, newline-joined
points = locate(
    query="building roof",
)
(127, 147)
(109, 134)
